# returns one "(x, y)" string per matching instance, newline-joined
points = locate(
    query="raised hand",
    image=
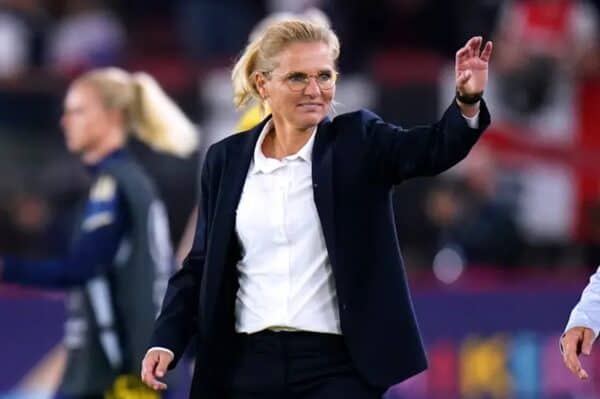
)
(471, 66)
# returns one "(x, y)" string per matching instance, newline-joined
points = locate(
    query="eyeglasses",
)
(298, 81)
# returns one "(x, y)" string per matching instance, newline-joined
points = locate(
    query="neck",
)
(283, 141)
(103, 149)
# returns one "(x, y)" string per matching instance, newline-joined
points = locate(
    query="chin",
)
(311, 120)
(73, 148)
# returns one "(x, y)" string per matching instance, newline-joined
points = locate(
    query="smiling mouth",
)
(310, 105)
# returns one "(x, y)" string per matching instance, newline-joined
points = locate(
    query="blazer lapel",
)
(322, 175)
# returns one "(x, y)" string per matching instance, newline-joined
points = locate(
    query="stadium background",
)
(497, 250)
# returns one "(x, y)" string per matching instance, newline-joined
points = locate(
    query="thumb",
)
(588, 340)
(163, 363)
(463, 77)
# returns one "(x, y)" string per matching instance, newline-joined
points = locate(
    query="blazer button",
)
(344, 307)
(315, 185)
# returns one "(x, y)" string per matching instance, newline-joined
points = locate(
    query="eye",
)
(325, 76)
(297, 77)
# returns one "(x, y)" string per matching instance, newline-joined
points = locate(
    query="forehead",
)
(305, 57)
(80, 93)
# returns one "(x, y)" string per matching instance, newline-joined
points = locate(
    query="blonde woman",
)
(121, 257)
(295, 287)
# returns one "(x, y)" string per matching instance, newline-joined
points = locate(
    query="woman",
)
(294, 286)
(120, 257)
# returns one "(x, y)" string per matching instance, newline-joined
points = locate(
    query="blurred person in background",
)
(474, 216)
(23, 30)
(87, 35)
(120, 256)
(295, 285)
(542, 46)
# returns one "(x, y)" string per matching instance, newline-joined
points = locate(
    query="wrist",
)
(468, 110)
(468, 98)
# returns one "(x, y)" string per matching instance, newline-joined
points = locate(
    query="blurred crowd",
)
(528, 195)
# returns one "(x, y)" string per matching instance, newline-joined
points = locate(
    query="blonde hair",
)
(260, 53)
(149, 113)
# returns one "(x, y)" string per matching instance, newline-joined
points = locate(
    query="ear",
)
(261, 85)
(115, 116)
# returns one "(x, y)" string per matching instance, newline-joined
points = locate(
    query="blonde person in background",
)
(295, 286)
(120, 258)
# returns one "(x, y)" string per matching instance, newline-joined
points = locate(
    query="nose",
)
(312, 88)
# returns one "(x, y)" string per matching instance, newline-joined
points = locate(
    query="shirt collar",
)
(266, 165)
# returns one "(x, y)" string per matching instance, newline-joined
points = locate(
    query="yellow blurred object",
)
(250, 118)
(128, 386)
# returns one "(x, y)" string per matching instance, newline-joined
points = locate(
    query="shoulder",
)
(236, 142)
(104, 188)
(105, 203)
(357, 119)
(358, 124)
(130, 178)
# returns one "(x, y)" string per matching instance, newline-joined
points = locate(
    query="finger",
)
(163, 363)
(159, 386)
(588, 340)
(572, 362)
(149, 372)
(487, 51)
(475, 45)
(148, 365)
(462, 54)
(570, 342)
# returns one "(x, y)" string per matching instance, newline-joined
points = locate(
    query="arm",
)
(399, 153)
(103, 227)
(583, 327)
(177, 321)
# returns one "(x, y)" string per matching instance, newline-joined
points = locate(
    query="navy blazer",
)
(357, 159)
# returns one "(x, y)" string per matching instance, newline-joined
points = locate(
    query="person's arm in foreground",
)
(582, 328)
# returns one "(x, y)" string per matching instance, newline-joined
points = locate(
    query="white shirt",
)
(587, 311)
(285, 277)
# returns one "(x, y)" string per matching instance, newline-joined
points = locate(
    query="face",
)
(292, 103)
(85, 121)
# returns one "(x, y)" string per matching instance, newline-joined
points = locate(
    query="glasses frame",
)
(285, 80)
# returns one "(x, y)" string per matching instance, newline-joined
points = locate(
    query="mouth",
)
(311, 106)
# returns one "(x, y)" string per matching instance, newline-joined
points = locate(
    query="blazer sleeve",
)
(398, 154)
(587, 311)
(178, 319)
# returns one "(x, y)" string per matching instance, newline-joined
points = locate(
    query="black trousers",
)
(296, 365)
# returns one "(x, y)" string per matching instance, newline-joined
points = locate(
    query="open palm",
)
(471, 68)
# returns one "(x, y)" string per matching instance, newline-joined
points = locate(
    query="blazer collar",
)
(242, 155)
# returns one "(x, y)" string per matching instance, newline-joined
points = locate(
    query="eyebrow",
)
(306, 73)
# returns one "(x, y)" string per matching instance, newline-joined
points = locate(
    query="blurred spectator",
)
(542, 45)
(88, 35)
(475, 216)
(215, 31)
(23, 25)
(24, 224)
